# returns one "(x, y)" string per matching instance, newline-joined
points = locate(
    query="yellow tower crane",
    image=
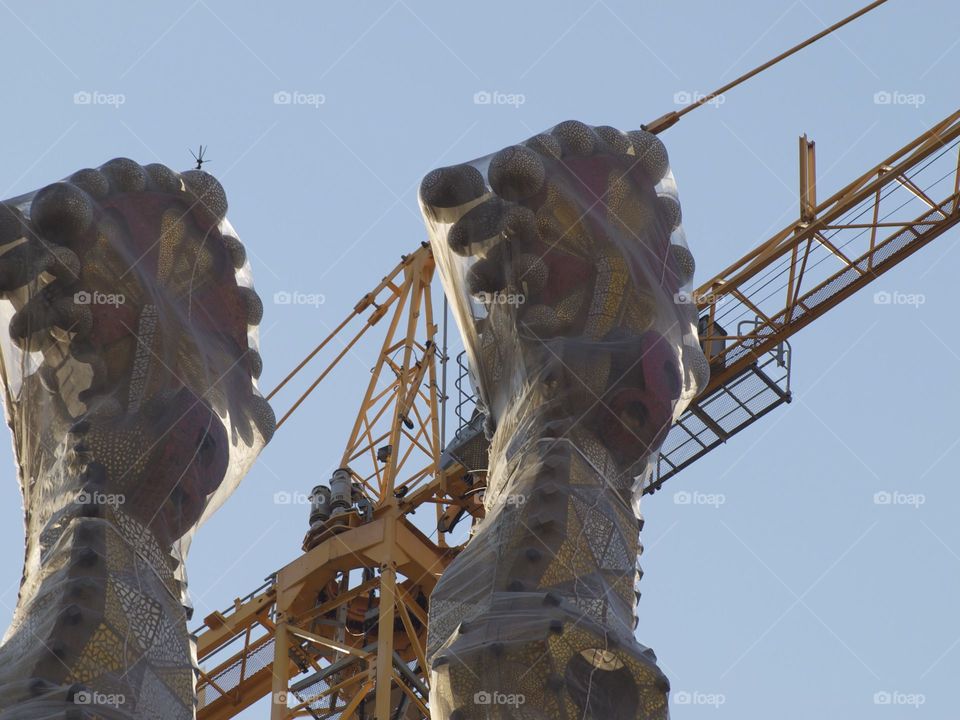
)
(339, 632)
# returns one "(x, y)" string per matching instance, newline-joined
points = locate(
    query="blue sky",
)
(796, 596)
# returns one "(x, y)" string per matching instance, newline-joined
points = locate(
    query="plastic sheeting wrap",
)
(565, 263)
(129, 359)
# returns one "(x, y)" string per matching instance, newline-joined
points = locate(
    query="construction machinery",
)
(340, 631)
(319, 617)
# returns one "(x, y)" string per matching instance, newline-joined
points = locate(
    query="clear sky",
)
(796, 597)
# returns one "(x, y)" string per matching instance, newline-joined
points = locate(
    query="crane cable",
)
(671, 118)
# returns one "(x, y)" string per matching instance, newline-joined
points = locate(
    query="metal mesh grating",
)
(732, 407)
(707, 423)
(317, 705)
(228, 678)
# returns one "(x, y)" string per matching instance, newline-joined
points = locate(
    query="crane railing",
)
(839, 247)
